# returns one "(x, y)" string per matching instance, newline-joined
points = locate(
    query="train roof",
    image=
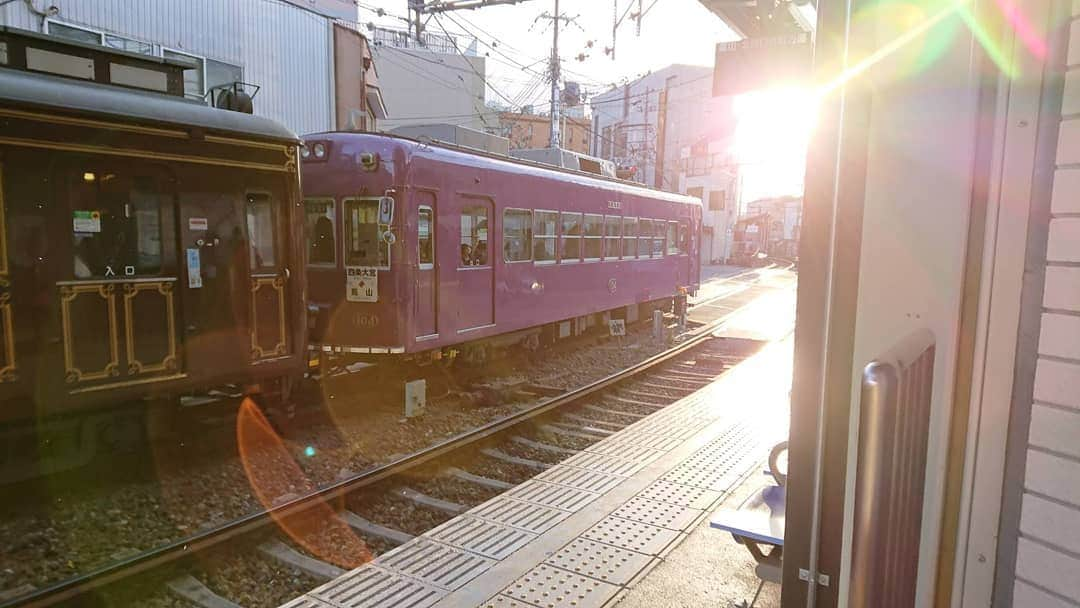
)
(452, 153)
(64, 95)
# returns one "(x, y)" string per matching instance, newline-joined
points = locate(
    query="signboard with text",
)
(762, 63)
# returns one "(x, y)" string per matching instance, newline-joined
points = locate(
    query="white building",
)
(305, 56)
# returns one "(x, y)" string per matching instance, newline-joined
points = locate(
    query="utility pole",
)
(555, 81)
(661, 131)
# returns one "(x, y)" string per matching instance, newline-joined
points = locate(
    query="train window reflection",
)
(629, 234)
(474, 236)
(117, 224)
(594, 236)
(260, 221)
(517, 235)
(613, 236)
(320, 225)
(364, 245)
(425, 236)
(571, 237)
(544, 235)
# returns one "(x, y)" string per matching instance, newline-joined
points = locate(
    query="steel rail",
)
(186, 548)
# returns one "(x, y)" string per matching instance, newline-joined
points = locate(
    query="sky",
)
(672, 31)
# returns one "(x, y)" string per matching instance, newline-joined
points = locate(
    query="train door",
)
(473, 300)
(425, 312)
(269, 276)
(117, 303)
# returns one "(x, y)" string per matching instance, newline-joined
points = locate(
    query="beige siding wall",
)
(1048, 552)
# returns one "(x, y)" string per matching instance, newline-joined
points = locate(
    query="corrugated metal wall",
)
(284, 49)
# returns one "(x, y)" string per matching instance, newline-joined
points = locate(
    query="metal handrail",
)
(894, 425)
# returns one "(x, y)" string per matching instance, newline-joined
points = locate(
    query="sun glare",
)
(772, 131)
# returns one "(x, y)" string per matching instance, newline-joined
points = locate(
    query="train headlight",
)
(319, 150)
(305, 152)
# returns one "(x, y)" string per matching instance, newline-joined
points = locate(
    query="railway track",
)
(493, 458)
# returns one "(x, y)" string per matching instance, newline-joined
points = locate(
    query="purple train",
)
(426, 251)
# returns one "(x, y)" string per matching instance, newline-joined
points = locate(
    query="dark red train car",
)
(480, 249)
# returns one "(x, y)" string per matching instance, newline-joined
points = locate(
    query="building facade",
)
(295, 57)
(526, 131)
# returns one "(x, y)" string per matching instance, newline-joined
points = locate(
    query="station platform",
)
(592, 530)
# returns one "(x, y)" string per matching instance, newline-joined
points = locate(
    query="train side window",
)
(260, 221)
(364, 245)
(594, 236)
(571, 237)
(645, 237)
(117, 224)
(474, 236)
(672, 238)
(659, 229)
(544, 225)
(425, 233)
(321, 227)
(517, 235)
(684, 236)
(629, 236)
(613, 234)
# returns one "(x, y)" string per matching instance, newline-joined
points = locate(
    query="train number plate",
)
(361, 284)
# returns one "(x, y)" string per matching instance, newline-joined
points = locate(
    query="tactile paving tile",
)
(504, 601)
(519, 514)
(632, 535)
(582, 479)
(597, 560)
(435, 563)
(305, 602)
(604, 463)
(372, 587)
(678, 494)
(658, 513)
(648, 440)
(562, 497)
(625, 450)
(550, 587)
(481, 536)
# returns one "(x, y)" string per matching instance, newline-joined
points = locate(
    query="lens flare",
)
(275, 478)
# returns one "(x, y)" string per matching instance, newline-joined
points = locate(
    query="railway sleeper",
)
(540, 445)
(293, 559)
(593, 423)
(639, 395)
(191, 589)
(370, 528)
(575, 432)
(525, 462)
(424, 500)
(664, 387)
(625, 401)
(609, 412)
(487, 482)
(697, 380)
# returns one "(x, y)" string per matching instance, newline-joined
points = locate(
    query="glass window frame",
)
(528, 235)
(563, 237)
(673, 237)
(487, 208)
(644, 238)
(346, 235)
(553, 237)
(420, 263)
(617, 238)
(659, 238)
(586, 238)
(627, 221)
(201, 60)
(272, 269)
(334, 225)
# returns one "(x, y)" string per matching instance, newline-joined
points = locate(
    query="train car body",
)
(147, 240)
(482, 246)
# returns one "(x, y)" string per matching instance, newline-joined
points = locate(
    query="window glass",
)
(672, 238)
(129, 45)
(74, 33)
(594, 236)
(426, 236)
(544, 223)
(684, 235)
(517, 235)
(193, 78)
(659, 229)
(320, 225)
(629, 235)
(474, 236)
(614, 233)
(219, 73)
(645, 236)
(364, 245)
(260, 221)
(117, 224)
(571, 237)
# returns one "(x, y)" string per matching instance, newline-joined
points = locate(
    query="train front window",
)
(116, 221)
(260, 222)
(321, 226)
(517, 235)
(474, 236)
(364, 245)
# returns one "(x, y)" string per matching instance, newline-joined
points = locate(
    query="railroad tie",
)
(487, 482)
(191, 589)
(292, 558)
(369, 528)
(696, 381)
(539, 445)
(639, 394)
(525, 462)
(438, 504)
(604, 410)
(594, 424)
(625, 401)
(561, 430)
